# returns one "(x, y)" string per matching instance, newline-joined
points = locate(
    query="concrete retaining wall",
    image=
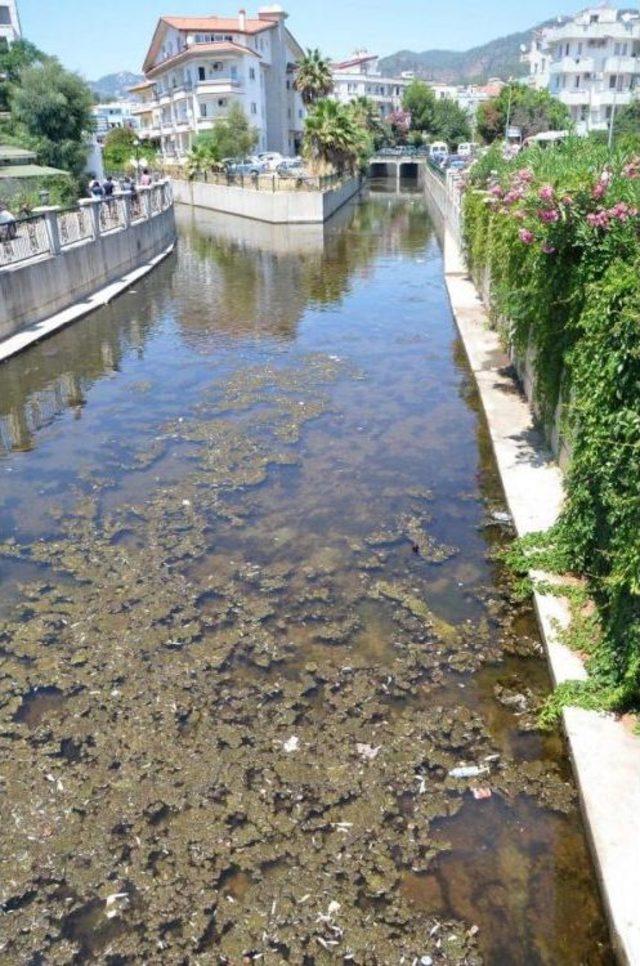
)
(444, 209)
(276, 207)
(38, 289)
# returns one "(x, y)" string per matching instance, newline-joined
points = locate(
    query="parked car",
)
(271, 158)
(245, 166)
(454, 162)
(291, 168)
(468, 149)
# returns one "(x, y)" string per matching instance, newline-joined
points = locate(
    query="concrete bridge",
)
(407, 164)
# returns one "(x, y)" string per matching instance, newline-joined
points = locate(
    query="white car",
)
(271, 159)
(467, 149)
(438, 150)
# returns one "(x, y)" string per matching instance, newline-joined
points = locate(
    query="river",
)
(252, 617)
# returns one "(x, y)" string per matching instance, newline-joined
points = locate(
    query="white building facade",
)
(360, 77)
(9, 23)
(197, 67)
(591, 63)
(114, 114)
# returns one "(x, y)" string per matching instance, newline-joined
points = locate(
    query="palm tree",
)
(332, 136)
(367, 114)
(313, 77)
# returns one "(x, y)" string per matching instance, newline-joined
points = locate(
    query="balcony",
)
(621, 65)
(572, 65)
(220, 84)
(593, 31)
(145, 107)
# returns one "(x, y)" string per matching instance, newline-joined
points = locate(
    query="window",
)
(4, 43)
(5, 15)
(577, 82)
(252, 73)
(300, 112)
(254, 107)
(203, 110)
(222, 102)
(612, 82)
(201, 73)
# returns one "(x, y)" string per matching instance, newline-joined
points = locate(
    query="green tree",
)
(420, 101)
(627, 124)
(13, 61)
(120, 147)
(450, 123)
(333, 137)
(51, 107)
(366, 114)
(530, 110)
(314, 79)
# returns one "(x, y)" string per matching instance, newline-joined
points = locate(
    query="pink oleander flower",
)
(546, 193)
(548, 215)
(548, 249)
(621, 211)
(600, 190)
(632, 168)
(526, 175)
(496, 191)
(526, 237)
(598, 219)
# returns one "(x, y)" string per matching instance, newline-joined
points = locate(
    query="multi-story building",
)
(590, 62)
(114, 114)
(360, 77)
(197, 67)
(9, 23)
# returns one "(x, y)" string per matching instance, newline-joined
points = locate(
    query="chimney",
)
(273, 12)
(242, 20)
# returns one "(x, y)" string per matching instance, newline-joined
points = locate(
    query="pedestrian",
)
(8, 229)
(108, 187)
(129, 185)
(95, 189)
(145, 179)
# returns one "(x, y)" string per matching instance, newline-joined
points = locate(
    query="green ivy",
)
(576, 310)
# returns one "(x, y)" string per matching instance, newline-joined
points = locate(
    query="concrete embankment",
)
(40, 294)
(604, 749)
(297, 206)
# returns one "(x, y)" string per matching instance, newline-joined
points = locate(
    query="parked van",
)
(468, 149)
(438, 150)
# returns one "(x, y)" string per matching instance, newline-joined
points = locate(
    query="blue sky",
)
(99, 38)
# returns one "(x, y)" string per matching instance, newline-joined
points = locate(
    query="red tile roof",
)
(344, 64)
(207, 24)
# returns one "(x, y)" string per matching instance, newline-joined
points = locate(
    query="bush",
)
(558, 233)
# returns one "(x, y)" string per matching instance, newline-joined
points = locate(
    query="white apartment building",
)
(360, 77)
(9, 23)
(114, 114)
(590, 62)
(197, 67)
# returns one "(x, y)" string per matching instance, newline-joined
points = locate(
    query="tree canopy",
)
(531, 110)
(120, 146)
(51, 110)
(314, 79)
(13, 60)
(333, 136)
(230, 137)
(440, 119)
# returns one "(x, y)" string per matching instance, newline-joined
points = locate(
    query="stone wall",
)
(35, 289)
(277, 207)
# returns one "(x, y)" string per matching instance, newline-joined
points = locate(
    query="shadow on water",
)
(266, 478)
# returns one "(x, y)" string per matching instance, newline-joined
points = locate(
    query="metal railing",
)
(270, 181)
(23, 239)
(74, 225)
(52, 230)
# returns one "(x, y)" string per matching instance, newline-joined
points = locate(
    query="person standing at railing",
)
(95, 189)
(108, 187)
(145, 179)
(8, 229)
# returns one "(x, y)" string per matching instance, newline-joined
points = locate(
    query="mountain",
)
(113, 87)
(498, 58)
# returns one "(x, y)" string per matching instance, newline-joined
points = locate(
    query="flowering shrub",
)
(557, 233)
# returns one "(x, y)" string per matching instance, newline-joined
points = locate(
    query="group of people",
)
(106, 188)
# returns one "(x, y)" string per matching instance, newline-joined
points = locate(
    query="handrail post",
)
(93, 204)
(145, 200)
(50, 213)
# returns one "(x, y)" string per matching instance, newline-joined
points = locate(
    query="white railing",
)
(52, 230)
